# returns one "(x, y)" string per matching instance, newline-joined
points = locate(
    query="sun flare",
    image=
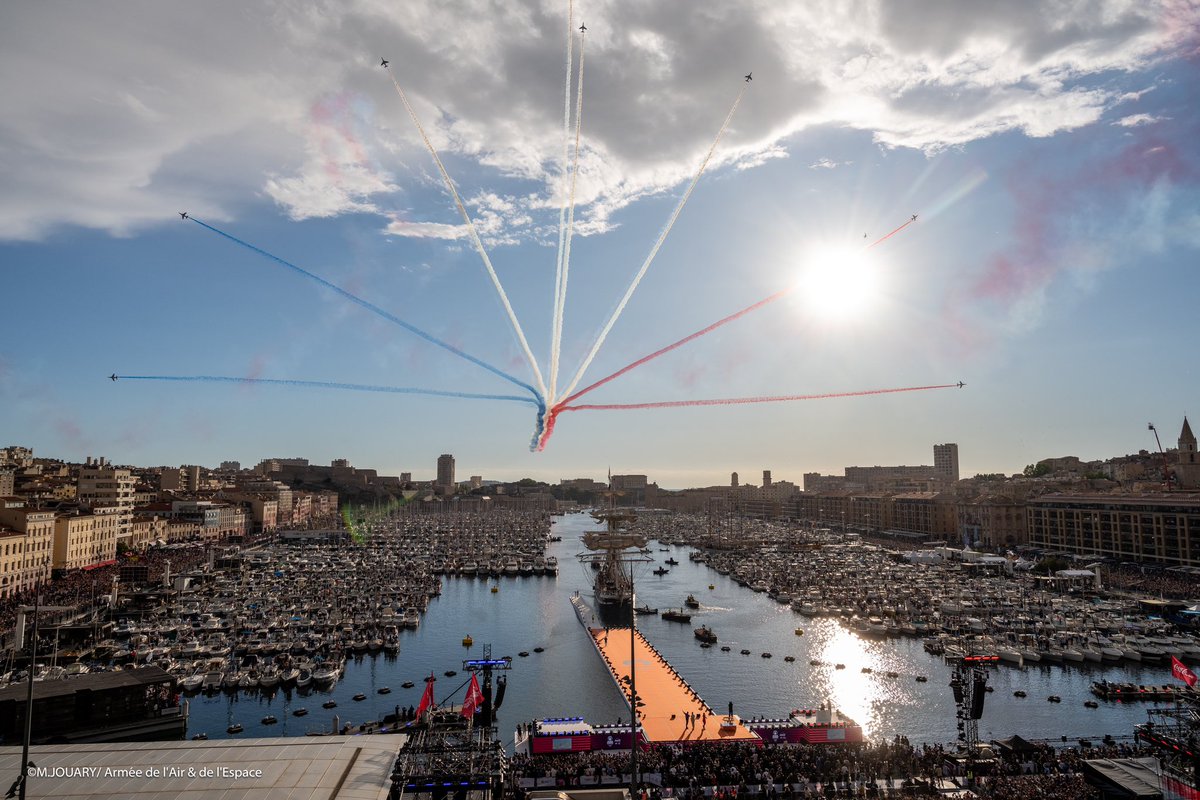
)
(839, 283)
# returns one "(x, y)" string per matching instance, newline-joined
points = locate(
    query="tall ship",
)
(611, 554)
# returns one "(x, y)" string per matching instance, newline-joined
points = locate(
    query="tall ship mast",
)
(611, 553)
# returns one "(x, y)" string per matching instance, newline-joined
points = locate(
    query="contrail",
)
(555, 322)
(353, 387)
(374, 309)
(560, 306)
(487, 262)
(654, 251)
(734, 316)
(724, 321)
(736, 401)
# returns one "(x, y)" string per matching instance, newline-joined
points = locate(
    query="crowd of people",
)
(896, 767)
(81, 590)
(1164, 584)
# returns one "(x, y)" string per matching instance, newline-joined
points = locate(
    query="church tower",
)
(1187, 467)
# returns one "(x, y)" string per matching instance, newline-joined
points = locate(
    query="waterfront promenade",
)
(673, 711)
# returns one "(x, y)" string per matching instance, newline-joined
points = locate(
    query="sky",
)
(1048, 149)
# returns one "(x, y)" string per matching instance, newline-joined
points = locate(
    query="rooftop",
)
(326, 767)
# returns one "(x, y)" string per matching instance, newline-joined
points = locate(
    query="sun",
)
(839, 283)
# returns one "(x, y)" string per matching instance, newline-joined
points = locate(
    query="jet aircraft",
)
(183, 215)
(914, 217)
(583, 28)
(112, 377)
(383, 62)
(749, 77)
(961, 384)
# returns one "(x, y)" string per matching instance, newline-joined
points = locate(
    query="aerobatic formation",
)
(549, 396)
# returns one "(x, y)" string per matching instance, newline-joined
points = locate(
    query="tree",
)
(1037, 470)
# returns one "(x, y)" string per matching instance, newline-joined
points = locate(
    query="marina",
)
(889, 685)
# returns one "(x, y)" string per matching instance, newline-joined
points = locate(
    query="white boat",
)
(195, 681)
(289, 676)
(325, 674)
(269, 679)
(303, 679)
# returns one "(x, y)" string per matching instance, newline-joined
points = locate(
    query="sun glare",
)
(839, 283)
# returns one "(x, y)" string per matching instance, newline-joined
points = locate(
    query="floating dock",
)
(672, 712)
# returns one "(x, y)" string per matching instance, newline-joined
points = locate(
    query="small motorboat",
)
(661, 571)
(672, 562)
(450, 673)
(646, 610)
(725, 649)
(1054, 698)
(745, 652)
(691, 601)
(705, 634)
(789, 659)
(384, 690)
(329, 704)
(360, 697)
(407, 685)
(269, 720)
(234, 728)
(1018, 693)
(299, 712)
(539, 649)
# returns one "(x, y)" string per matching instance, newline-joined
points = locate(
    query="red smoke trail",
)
(724, 321)
(737, 401)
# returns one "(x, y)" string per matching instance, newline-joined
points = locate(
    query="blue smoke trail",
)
(376, 310)
(354, 387)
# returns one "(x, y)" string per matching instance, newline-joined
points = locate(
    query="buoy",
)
(839, 666)
(234, 728)
(539, 649)
(1054, 698)
(406, 685)
(799, 631)
(329, 704)
(867, 670)
(1091, 704)
(815, 662)
(269, 720)
(200, 737)
(468, 641)
(299, 712)
(766, 655)
(1018, 693)
(384, 690)
(725, 648)
(705, 645)
(893, 674)
(745, 652)
(523, 653)
(789, 658)
(710, 586)
(360, 697)
(495, 589)
(450, 673)
(921, 679)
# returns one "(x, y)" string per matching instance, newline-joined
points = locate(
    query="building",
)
(7, 482)
(1187, 467)
(945, 461)
(103, 484)
(1162, 528)
(766, 478)
(86, 539)
(445, 474)
(28, 538)
(231, 466)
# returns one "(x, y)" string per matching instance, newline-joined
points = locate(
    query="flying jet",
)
(583, 28)
(749, 77)
(183, 215)
(961, 384)
(383, 62)
(112, 377)
(914, 217)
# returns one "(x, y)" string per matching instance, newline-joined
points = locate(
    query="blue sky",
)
(1051, 158)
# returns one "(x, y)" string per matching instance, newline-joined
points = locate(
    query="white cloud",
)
(117, 118)
(825, 163)
(425, 230)
(1134, 120)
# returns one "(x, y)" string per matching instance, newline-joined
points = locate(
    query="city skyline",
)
(1052, 165)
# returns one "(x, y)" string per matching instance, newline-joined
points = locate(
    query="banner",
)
(474, 698)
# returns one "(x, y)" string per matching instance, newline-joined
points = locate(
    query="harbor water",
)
(567, 679)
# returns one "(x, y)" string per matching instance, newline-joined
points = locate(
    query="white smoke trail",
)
(555, 320)
(487, 262)
(566, 261)
(653, 251)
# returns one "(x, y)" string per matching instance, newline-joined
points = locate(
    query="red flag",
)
(426, 698)
(474, 698)
(1181, 672)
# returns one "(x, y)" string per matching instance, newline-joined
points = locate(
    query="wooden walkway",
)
(668, 700)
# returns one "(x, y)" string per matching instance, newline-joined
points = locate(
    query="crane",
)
(1166, 471)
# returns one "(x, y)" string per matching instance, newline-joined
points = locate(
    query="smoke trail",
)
(555, 322)
(566, 263)
(734, 316)
(373, 308)
(487, 262)
(725, 321)
(654, 250)
(352, 387)
(736, 401)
